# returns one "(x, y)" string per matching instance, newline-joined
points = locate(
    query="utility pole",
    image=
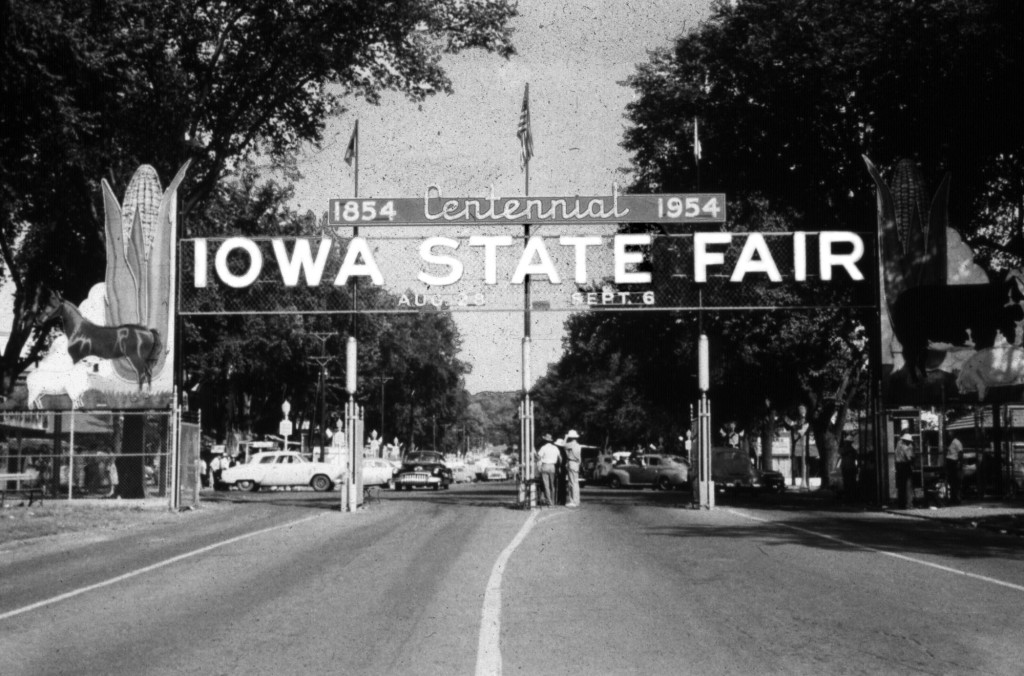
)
(321, 397)
(382, 379)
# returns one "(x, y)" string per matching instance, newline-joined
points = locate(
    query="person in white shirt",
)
(573, 459)
(547, 458)
(218, 465)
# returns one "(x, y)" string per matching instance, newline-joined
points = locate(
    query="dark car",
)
(423, 468)
(731, 468)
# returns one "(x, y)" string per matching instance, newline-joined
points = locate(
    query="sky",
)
(573, 55)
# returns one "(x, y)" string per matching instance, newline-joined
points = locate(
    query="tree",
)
(95, 89)
(240, 368)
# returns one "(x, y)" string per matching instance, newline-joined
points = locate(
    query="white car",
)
(282, 468)
(377, 472)
(462, 474)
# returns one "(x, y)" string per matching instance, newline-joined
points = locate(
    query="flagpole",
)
(355, 228)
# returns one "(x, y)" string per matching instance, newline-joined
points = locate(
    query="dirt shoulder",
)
(63, 525)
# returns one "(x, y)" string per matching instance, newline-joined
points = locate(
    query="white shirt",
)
(549, 454)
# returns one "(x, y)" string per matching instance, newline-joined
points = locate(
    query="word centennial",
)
(239, 262)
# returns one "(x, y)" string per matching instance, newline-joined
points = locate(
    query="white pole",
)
(71, 456)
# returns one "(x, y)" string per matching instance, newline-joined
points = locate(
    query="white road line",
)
(147, 569)
(488, 651)
(902, 557)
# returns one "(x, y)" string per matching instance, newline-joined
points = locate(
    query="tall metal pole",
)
(526, 488)
(705, 484)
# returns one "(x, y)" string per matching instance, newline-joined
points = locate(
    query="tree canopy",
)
(788, 97)
(93, 90)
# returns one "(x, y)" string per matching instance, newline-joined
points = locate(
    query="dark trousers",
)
(904, 485)
(953, 479)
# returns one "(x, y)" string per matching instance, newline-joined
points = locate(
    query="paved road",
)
(456, 582)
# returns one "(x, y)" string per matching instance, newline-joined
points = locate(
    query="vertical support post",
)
(705, 484)
(174, 460)
(71, 456)
(349, 498)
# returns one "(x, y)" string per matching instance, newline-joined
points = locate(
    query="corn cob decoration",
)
(140, 256)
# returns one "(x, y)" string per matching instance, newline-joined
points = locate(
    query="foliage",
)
(95, 89)
(239, 369)
(789, 96)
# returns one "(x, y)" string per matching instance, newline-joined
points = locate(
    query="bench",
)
(34, 491)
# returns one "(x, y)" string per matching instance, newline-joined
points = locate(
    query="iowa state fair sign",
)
(482, 271)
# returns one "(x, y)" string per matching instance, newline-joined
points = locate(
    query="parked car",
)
(423, 469)
(282, 468)
(377, 472)
(462, 474)
(663, 472)
(497, 473)
(731, 469)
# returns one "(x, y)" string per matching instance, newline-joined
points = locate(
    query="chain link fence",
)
(95, 454)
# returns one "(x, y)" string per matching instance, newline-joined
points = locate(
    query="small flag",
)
(353, 144)
(523, 132)
(696, 142)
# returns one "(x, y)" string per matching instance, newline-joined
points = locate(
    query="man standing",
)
(218, 465)
(904, 457)
(573, 458)
(954, 456)
(547, 457)
(848, 466)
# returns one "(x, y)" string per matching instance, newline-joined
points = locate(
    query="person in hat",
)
(954, 460)
(904, 458)
(573, 459)
(547, 459)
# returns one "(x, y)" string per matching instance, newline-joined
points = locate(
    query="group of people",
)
(904, 457)
(559, 461)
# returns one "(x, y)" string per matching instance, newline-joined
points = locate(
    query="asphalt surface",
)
(633, 582)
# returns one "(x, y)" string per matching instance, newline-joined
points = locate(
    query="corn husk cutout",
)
(139, 255)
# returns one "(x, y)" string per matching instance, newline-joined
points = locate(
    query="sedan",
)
(377, 472)
(732, 468)
(663, 472)
(423, 469)
(282, 468)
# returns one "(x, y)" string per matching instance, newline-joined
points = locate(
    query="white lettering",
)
(454, 264)
(535, 247)
(301, 260)
(828, 259)
(702, 258)
(199, 280)
(755, 244)
(351, 267)
(800, 256)
(623, 257)
(580, 244)
(255, 262)
(490, 243)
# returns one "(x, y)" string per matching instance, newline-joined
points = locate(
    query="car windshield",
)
(421, 458)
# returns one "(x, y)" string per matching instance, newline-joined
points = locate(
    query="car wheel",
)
(664, 483)
(246, 485)
(321, 483)
(614, 482)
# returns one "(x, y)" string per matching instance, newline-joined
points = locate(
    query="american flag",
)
(523, 132)
(353, 144)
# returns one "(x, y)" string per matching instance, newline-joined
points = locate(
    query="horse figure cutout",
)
(133, 342)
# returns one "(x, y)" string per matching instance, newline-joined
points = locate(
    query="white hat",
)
(572, 435)
(906, 437)
(559, 441)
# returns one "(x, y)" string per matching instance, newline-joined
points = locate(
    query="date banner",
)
(669, 208)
